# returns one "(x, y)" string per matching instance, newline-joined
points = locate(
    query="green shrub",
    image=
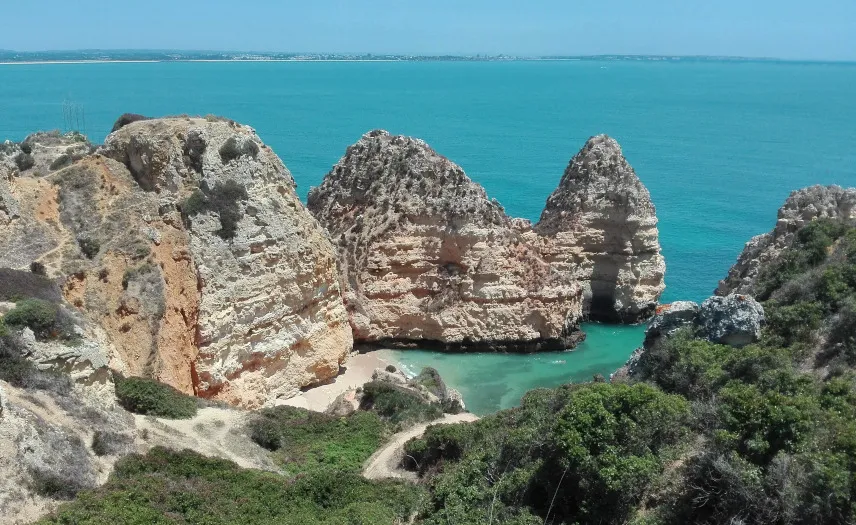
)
(38, 268)
(136, 273)
(125, 119)
(149, 397)
(608, 444)
(794, 323)
(89, 247)
(20, 372)
(47, 320)
(307, 441)
(107, 443)
(398, 405)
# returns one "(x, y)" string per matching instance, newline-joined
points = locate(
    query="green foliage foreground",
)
(166, 487)
(149, 397)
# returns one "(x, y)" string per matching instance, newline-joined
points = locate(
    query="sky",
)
(791, 29)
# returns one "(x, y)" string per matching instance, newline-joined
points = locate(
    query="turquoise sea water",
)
(719, 144)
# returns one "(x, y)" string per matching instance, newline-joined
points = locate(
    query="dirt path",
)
(385, 463)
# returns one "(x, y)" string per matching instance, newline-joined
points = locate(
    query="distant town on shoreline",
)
(204, 56)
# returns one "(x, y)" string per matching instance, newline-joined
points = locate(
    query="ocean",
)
(720, 145)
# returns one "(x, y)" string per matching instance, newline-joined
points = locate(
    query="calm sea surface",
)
(719, 145)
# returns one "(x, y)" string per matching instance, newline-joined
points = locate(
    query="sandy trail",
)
(385, 463)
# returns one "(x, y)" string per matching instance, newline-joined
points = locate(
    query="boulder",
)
(669, 318)
(384, 375)
(734, 320)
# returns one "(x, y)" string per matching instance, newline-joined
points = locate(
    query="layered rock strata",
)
(604, 231)
(801, 207)
(428, 259)
(184, 240)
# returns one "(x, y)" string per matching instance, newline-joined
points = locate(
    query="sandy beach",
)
(358, 371)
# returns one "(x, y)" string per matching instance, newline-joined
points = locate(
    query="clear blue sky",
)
(820, 29)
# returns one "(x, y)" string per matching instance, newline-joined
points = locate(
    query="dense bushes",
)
(149, 397)
(306, 441)
(398, 405)
(574, 454)
(184, 487)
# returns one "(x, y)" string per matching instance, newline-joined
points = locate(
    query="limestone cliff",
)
(427, 258)
(801, 207)
(604, 231)
(184, 240)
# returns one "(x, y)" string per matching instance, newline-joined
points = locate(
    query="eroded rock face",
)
(801, 207)
(605, 234)
(184, 241)
(270, 317)
(427, 258)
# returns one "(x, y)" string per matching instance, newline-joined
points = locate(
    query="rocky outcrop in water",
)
(801, 207)
(427, 258)
(604, 230)
(183, 239)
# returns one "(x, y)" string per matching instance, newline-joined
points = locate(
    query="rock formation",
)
(801, 207)
(605, 234)
(184, 240)
(427, 258)
(733, 320)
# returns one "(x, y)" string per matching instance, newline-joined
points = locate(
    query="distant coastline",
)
(119, 56)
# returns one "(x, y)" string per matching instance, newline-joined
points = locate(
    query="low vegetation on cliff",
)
(167, 487)
(703, 433)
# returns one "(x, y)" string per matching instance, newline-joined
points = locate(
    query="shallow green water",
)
(491, 382)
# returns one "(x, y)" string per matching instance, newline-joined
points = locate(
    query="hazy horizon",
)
(784, 29)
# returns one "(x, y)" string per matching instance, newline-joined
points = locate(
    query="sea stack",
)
(428, 260)
(603, 228)
(183, 239)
